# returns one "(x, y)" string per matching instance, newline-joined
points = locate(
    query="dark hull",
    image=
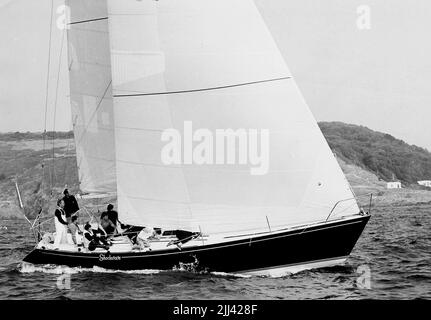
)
(315, 243)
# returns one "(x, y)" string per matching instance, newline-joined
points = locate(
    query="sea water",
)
(392, 260)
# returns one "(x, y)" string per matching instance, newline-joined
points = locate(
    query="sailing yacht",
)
(138, 69)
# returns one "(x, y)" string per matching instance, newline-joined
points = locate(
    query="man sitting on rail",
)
(94, 238)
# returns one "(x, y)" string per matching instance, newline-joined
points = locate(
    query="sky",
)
(376, 73)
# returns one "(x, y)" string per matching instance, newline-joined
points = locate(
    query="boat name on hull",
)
(102, 257)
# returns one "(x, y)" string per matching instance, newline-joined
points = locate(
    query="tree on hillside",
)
(378, 152)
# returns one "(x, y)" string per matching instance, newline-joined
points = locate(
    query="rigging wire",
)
(95, 112)
(67, 154)
(55, 109)
(42, 184)
(47, 93)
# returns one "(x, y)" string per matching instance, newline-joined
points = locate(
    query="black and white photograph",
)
(227, 150)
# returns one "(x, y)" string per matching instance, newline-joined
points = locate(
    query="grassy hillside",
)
(377, 152)
(24, 136)
(42, 173)
(366, 157)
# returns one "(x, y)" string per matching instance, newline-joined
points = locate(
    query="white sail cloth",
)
(91, 95)
(214, 64)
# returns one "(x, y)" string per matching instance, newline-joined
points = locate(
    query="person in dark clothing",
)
(93, 238)
(183, 237)
(70, 204)
(108, 216)
(131, 232)
(107, 225)
(112, 214)
(108, 220)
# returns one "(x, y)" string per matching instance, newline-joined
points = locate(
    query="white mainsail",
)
(91, 95)
(215, 64)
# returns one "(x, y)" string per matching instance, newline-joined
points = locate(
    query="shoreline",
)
(381, 198)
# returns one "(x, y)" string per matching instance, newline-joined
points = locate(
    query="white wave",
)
(226, 274)
(55, 269)
(26, 267)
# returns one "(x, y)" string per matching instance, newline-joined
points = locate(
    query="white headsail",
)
(215, 65)
(91, 95)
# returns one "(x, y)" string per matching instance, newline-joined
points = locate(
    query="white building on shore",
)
(393, 185)
(425, 183)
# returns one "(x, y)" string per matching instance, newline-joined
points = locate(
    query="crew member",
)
(60, 224)
(143, 238)
(92, 240)
(112, 214)
(108, 226)
(70, 204)
(75, 230)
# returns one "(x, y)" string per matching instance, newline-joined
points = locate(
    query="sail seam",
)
(158, 130)
(210, 204)
(85, 21)
(170, 166)
(201, 89)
